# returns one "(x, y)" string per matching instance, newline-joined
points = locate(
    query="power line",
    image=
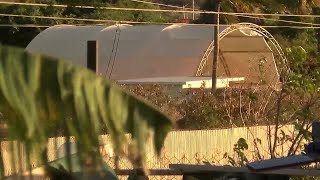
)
(270, 14)
(93, 7)
(168, 5)
(25, 25)
(114, 21)
(280, 20)
(149, 10)
(293, 27)
(78, 19)
(163, 10)
(54, 18)
(137, 22)
(160, 4)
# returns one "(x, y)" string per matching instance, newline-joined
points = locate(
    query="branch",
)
(277, 122)
(300, 139)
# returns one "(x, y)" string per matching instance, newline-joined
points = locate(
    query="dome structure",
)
(128, 52)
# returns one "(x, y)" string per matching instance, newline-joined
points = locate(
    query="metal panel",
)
(280, 162)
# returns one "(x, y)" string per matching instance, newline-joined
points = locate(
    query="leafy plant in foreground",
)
(40, 95)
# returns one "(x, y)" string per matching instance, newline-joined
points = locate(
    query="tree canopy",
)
(22, 36)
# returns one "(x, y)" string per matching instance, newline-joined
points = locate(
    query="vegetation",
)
(44, 97)
(22, 36)
(287, 36)
(297, 103)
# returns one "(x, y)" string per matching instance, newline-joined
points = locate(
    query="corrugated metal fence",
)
(180, 147)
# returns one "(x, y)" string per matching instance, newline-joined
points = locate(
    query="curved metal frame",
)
(238, 26)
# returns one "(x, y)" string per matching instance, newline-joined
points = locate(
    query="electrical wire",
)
(96, 20)
(137, 22)
(93, 7)
(281, 20)
(55, 18)
(293, 27)
(79, 19)
(134, 22)
(163, 10)
(128, 22)
(159, 4)
(25, 25)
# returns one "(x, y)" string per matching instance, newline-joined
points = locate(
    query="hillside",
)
(301, 92)
(286, 36)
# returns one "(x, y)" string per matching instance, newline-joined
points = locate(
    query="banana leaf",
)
(40, 95)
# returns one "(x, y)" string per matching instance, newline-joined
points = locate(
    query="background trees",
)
(22, 36)
(286, 36)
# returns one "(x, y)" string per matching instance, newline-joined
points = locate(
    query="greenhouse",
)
(178, 54)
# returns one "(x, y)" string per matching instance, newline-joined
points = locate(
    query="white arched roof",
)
(68, 42)
(146, 51)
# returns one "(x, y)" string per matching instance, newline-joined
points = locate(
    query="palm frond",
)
(40, 94)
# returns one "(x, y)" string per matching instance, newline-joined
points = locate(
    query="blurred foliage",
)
(44, 97)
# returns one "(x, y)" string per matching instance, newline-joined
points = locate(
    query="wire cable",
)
(137, 22)
(113, 45)
(281, 20)
(114, 21)
(25, 25)
(96, 20)
(163, 10)
(93, 7)
(55, 18)
(79, 19)
(159, 4)
(116, 52)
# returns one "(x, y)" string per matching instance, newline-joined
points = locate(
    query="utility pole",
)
(216, 45)
(184, 14)
(316, 11)
(192, 9)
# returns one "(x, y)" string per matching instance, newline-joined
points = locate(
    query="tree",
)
(44, 97)
(22, 36)
(228, 6)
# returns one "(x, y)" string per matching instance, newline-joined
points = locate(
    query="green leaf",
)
(39, 93)
(242, 143)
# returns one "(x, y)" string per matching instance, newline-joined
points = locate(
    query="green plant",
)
(19, 36)
(159, 96)
(43, 97)
(240, 158)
